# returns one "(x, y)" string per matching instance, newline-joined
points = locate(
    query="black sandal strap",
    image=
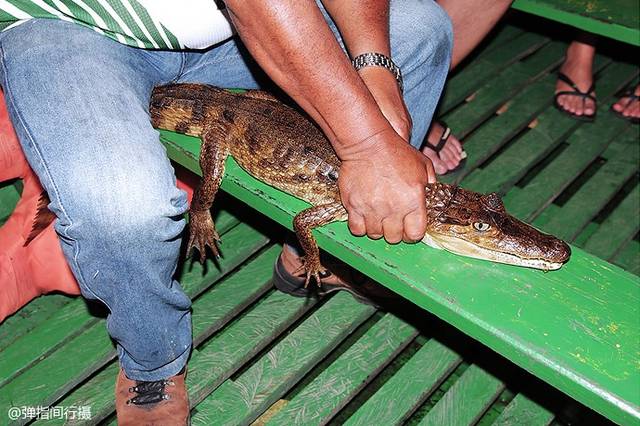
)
(631, 95)
(565, 79)
(444, 138)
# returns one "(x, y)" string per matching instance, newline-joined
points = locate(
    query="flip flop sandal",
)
(575, 92)
(629, 93)
(444, 138)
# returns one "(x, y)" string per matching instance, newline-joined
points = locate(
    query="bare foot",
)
(578, 67)
(451, 154)
(629, 106)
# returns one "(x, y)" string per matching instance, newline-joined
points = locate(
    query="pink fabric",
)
(40, 267)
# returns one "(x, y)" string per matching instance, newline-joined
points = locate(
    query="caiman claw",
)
(202, 233)
(312, 268)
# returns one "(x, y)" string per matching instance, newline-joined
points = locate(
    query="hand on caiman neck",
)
(382, 185)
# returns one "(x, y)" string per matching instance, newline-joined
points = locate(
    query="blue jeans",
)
(79, 103)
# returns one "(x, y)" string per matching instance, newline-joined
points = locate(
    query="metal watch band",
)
(378, 60)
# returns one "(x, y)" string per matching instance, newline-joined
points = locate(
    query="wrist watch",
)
(373, 59)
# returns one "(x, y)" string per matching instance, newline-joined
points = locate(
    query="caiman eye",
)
(481, 226)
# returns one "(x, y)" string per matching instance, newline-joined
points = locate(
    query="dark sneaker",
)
(159, 403)
(338, 276)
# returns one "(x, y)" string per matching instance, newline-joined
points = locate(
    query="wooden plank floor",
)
(266, 358)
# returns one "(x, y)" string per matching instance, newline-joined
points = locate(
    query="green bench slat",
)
(243, 339)
(466, 401)
(616, 19)
(399, 397)
(465, 293)
(242, 400)
(30, 316)
(338, 383)
(629, 257)
(585, 145)
(552, 127)
(9, 196)
(211, 311)
(499, 129)
(74, 317)
(599, 189)
(523, 411)
(27, 388)
(490, 62)
(503, 86)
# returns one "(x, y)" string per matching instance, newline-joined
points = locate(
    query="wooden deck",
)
(264, 357)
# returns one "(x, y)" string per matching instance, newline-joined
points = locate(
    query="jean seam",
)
(22, 123)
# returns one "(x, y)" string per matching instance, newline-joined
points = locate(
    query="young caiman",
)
(279, 146)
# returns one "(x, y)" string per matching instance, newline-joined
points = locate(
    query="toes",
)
(438, 164)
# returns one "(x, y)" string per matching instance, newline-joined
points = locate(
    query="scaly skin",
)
(279, 146)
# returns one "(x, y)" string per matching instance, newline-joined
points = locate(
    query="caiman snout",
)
(561, 251)
(477, 225)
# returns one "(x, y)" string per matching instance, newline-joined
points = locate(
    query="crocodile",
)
(281, 147)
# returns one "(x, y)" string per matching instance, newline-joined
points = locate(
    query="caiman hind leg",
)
(303, 223)
(202, 230)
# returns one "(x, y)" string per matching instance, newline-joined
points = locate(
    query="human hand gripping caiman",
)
(279, 146)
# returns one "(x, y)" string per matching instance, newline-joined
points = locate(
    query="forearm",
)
(293, 44)
(363, 24)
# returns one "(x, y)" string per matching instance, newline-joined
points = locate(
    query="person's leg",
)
(472, 20)
(79, 103)
(578, 67)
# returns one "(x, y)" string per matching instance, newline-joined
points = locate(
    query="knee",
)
(422, 33)
(121, 211)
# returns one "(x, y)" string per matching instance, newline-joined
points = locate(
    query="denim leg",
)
(79, 103)
(421, 45)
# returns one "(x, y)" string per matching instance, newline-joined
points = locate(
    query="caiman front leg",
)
(303, 223)
(202, 230)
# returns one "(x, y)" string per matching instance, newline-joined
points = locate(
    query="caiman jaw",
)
(465, 248)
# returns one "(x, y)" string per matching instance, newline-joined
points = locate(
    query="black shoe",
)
(338, 276)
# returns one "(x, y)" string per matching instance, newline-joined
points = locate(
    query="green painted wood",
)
(30, 316)
(225, 353)
(399, 397)
(338, 383)
(517, 113)
(585, 145)
(522, 411)
(585, 234)
(211, 311)
(502, 87)
(9, 196)
(616, 19)
(599, 189)
(466, 401)
(28, 388)
(242, 400)
(533, 326)
(617, 229)
(491, 61)
(552, 126)
(629, 257)
(55, 375)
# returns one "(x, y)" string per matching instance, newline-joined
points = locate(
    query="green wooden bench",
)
(615, 19)
(261, 356)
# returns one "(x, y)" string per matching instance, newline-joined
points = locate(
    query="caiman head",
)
(477, 225)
